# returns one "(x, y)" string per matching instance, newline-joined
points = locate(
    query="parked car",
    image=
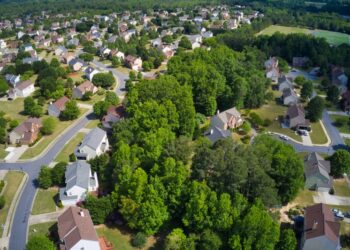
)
(283, 137)
(347, 214)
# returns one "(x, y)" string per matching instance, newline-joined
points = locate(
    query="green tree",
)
(48, 125)
(185, 43)
(300, 80)
(333, 94)
(99, 208)
(2, 202)
(4, 87)
(104, 80)
(209, 241)
(13, 124)
(139, 240)
(29, 103)
(44, 178)
(71, 111)
(58, 173)
(177, 240)
(40, 242)
(86, 57)
(306, 90)
(287, 240)
(340, 162)
(315, 108)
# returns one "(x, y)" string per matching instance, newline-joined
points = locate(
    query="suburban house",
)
(13, 79)
(67, 57)
(339, 78)
(345, 101)
(76, 64)
(284, 83)
(321, 231)
(272, 70)
(289, 97)
(22, 89)
(58, 106)
(87, 86)
(114, 114)
(76, 230)
(295, 118)
(94, 144)
(196, 40)
(26, 133)
(317, 172)
(79, 181)
(221, 124)
(60, 50)
(90, 72)
(134, 63)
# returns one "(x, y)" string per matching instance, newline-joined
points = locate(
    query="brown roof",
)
(319, 221)
(74, 225)
(86, 86)
(60, 103)
(29, 130)
(130, 59)
(23, 85)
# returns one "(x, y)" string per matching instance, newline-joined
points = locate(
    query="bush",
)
(2, 202)
(256, 119)
(44, 178)
(245, 139)
(2, 184)
(246, 127)
(267, 122)
(139, 240)
(49, 125)
(72, 158)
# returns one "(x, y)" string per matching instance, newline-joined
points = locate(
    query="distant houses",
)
(134, 63)
(272, 70)
(80, 90)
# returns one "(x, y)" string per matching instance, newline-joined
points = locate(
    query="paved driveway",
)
(324, 197)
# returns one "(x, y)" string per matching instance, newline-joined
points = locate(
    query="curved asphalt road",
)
(20, 221)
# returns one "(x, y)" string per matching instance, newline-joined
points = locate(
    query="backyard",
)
(13, 180)
(45, 201)
(42, 229)
(69, 148)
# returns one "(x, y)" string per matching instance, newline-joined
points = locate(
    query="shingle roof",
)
(73, 227)
(319, 221)
(23, 85)
(78, 174)
(93, 138)
(60, 103)
(315, 164)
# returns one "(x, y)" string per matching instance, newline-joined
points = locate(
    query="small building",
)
(76, 230)
(196, 40)
(90, 72)
(289, 97)
(221, 124)
(114, 114)
(94, 144)
(76, 64)
(60, 50)
(321, 231)
(295, 118)
(134, 63)
(80, 90)
(79, 182)
(57, 107)
(284, 83)
(26, 133)
(317, 171)
(22, 89)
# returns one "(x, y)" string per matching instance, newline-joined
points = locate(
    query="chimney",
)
(218, 112)
(82, 213)
(314, 226)
(211, 131)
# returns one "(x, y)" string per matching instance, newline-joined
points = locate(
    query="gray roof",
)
(214, 134)
(93, 138)
(223, 118)
(314, 165)
(78, 174)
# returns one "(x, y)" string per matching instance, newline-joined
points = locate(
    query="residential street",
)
(20, 221)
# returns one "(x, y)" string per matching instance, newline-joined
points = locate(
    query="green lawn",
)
(69, 148)
(3, 153)
(342, 123)
(13, 109)
(46, 140)
(347, 142)
(41, 229)
(116, 237)
(45, 201)
(304, 198)
(95, 98)
(93, 124)
(341, 187)
(13, 180)
(334, 38)
(77, 76)
(318, 135)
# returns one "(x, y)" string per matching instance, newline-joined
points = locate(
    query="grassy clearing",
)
(41, 229)
(40, 146)
(116, 237)
(318, 135)
(69, 148)
(77, 76)
(95, 98)
(342, 123)
(283, 29)
(335, 38)
(13, 180)
(341, 187)
(93, 124)
(13, 109)
(347, 142)
(45, 201)
(304, 198)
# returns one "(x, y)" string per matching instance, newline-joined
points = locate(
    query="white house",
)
(94, 144)
(22, 89)
(90, 72)
(2, 44)
(13, 79)
(79, 182)
(76, 230)
(195, 40)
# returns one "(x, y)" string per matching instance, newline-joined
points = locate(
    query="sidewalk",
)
(337, 113)
(15, 153)
(42, 218)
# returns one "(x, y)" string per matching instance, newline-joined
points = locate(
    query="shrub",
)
(267, 122)
(2, 184)
(2, 202)
(72, 158)
(139, 240)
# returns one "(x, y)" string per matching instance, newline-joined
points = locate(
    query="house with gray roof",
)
(295, 118)
(289, 97)
(79, 181)
(284, 83)
(221, 124)
(94, 144)
(317, 172)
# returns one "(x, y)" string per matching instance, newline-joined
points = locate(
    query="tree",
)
(139, 240)
(44, 178)
(29, 103)
(2, 202)
(112, 98)
(48, 125)
(86, 57)
(177, 240)
(185, 43)
(306, 90)
(333, 94)
(3, 87)
(300, 80)
(167, 39)
(13, 124)
(104, 80)
(71, 111)
(340, 162)
(315, 108)
(58, 173)
(287, 240)
(209, 241)
(40, 242)
(99, 208)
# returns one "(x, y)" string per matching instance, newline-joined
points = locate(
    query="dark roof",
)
(319, 221)
(75, 224)
(295, 111)
(314, 165)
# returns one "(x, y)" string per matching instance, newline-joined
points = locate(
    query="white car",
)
(283, 137)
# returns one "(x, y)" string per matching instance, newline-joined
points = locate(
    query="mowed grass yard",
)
(13, 179)
(3, 153)
(45, 201)
(318, 135)
(342, 123)
(69, 148)
(334, 38)
(13, 109)
(41, 229)
(341, 187)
